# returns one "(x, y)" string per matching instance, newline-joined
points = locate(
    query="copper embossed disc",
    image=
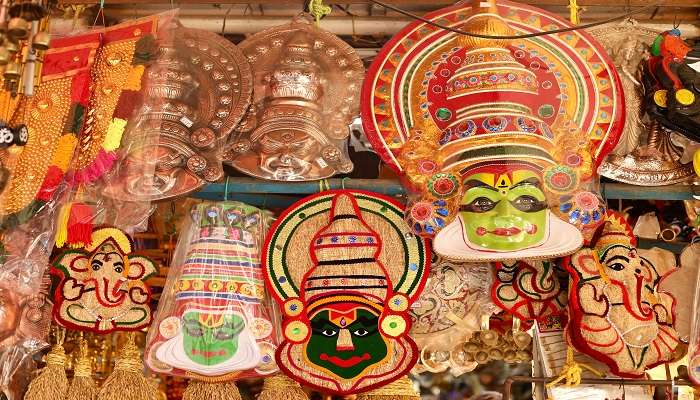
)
(197, 92)
(306, 92)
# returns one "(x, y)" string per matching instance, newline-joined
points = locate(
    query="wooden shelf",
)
(282, 194)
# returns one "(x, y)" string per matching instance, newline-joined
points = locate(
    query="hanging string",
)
(318, 10)
(512, 37)
(100, 13)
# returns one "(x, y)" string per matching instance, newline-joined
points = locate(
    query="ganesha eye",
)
(360, 332)
(616, 266)
(329, 332)
(481, 204)
(118, 268)
(96, 265)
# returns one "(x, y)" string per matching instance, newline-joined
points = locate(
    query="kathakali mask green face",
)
(210, 339)
(346, 343)
(504, 210)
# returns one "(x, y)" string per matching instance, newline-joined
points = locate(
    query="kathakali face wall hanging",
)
(497, 140)
(102, 286)
(345, 268)
(616, 313)
(305, 95)
(196, 90)
(214, 320)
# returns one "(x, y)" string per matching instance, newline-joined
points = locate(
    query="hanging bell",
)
(4, 55)
(12, 71)
(18, 29)
(41, 41)
(11, 47)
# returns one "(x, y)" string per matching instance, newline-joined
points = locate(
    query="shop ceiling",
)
(362, 18)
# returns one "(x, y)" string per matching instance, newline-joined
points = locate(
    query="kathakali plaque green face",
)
(211, 339)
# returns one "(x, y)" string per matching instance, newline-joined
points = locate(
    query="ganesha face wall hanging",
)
(616, 312)
(304, 99)
(489, 134)
(102, 286)
(345, 268)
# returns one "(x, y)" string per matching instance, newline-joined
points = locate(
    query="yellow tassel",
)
(64, 151)
(127, 381)
(571, 373)
(400, 389)
(199, 390)
(82, 386)
(279, 387)
(52, 383)
(133, 80)
(62, 225)
(114, 134)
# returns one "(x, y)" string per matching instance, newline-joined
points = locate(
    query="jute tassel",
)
(200, 390)
(82, 386)
(279, 387)
(51, 383)
(400, 389)
(127, 381)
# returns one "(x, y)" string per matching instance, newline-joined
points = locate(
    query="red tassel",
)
(53, 177)
(80, 225)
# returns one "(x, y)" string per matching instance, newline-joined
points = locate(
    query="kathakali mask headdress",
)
(345, 268)
(496, 139)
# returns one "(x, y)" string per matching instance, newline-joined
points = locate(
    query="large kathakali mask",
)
(345, 268)
(497, 140)
(305, 95)
(616, 312)
(196, 90)
(102, 286)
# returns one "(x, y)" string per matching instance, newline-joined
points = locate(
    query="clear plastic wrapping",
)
(214, 318)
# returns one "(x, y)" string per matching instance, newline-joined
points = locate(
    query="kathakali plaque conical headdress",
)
(345, 268)
(497, 139)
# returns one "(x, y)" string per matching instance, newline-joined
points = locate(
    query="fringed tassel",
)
(133, 80)
(62, 225)
(115, 131)
(400, 389)
(200, 390)
(279, 387)
(102, 163)
(51, 383)
(127, 382)
(79, 225)
(82, 386)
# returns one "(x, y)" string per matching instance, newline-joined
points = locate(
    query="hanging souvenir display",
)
(126, 382)
(51, 383)
(305, 95)
(102, 286)
(530, 290)
(345, 268)
(214, 323)
(198, 88)
(115, 92)
(670, 81)
(497, 140)
(449, 309)
(25, 318)
(616, 313)
(646, 153)
(53, 117)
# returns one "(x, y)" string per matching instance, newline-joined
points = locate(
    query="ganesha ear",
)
(72, 262)
(663, 261)
(141, 267)
(585, 263)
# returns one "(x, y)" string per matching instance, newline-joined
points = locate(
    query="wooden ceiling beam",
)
(409, 3)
